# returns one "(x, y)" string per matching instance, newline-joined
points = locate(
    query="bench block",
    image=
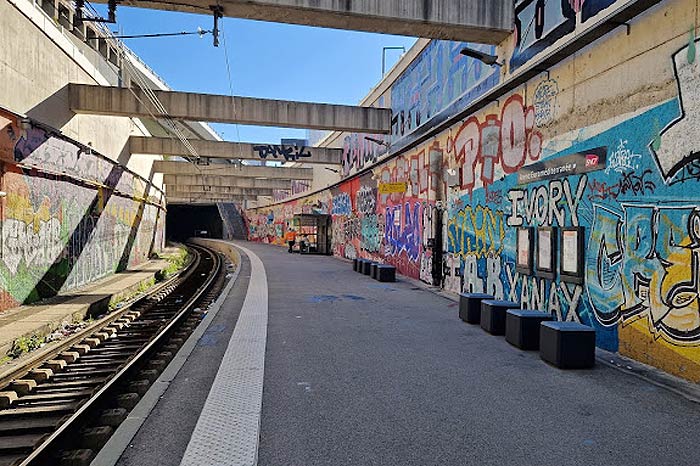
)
(493, 315)
(567, 345)
(354, 264)
(373, 272)
(523, 327)
(470, 306)
(386, 273)
(360, 265)
(367, 267)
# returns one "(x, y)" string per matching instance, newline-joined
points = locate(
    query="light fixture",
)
(377, 141)
(384, 49)
(483, 57)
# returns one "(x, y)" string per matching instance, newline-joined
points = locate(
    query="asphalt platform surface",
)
(359, 372)
(364, 373)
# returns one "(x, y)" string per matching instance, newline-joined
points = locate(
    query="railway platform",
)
(304, 362)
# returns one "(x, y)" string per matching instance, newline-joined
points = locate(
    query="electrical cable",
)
(200, 33)
(230, 88)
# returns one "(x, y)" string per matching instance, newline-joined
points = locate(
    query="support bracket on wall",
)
(218, 14)
(627, 25)
(111, 12)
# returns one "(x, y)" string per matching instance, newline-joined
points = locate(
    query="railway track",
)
(71, 400)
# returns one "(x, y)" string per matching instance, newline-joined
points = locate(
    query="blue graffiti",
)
(371, 239)
(403, 234)
(342, 205)
(647, 265)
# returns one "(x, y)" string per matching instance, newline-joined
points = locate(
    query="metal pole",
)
(384, 56)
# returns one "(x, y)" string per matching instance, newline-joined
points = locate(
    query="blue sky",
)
(267, 60)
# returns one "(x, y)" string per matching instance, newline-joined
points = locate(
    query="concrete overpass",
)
(224, 180)
(233, 150)
(117, 101)
(178, 189)
(168, 167)
(201, 198)
(485, 21)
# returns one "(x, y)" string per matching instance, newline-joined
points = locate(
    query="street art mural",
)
(435, 80)
(539, 24)
(70, 215)
(438, 77)
(627, 183)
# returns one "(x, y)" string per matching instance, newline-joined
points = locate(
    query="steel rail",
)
(40, 356)
(43, 454)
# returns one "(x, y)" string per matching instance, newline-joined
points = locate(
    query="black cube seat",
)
(367, 267)
(373, 270)
(360, 265)
(493, 315)
(386, 273)
(470, 306)
(354, 264)
(567, 345)
(523, 327)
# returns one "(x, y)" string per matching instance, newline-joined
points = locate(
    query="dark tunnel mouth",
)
(187, 221)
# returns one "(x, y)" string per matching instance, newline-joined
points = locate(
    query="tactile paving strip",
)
(227, 432)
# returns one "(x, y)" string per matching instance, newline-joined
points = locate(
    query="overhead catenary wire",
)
(200, 33)
(153, 98)
(230, 89)
(126, 62)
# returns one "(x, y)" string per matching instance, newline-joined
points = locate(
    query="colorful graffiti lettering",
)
(415, 99)
(673, 148)
(371, 237)
(342, 205)
(403, 229)
(547, 205)
(646, 264)
(476, 231)
(288, 153)
(545, 102)
(508, 141)
(62, 231)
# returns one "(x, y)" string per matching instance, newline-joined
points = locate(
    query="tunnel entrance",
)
(186, 221)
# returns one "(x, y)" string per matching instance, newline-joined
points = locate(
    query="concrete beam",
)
(169, 167)
(234, 150)
(228, 181)
(102, 100)
(176, 189)
(203, 198)
(485, 21)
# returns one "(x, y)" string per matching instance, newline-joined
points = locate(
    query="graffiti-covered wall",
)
(69, 216)
(577, 193)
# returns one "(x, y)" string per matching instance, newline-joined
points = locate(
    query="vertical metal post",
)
(384, 56)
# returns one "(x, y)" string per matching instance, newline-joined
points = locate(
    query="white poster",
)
(569, 252)
(544, 257)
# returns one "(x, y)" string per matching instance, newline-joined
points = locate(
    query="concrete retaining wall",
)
(70, 216)
(606, 144)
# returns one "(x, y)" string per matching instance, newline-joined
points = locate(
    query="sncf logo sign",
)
(592, 160)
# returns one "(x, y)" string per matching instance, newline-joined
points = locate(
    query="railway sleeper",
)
(21, 443)
(14, 413)
(128, 401)
(77, 457)
(93, 382)
(63, 395)
(22, 386)
(139, 386)
(69, 356)
(94, 438)
(112, 417)
(32, 424)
